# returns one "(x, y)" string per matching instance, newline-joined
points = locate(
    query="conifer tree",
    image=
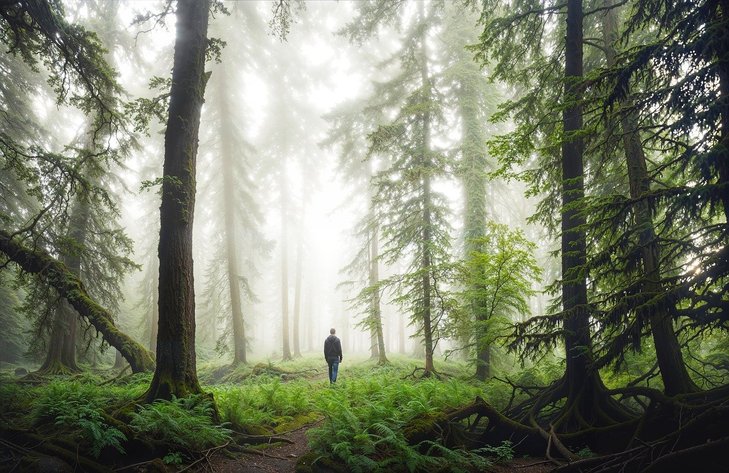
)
(175, 373)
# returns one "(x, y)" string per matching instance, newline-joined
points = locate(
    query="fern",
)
(503, 452)
(90, 423)
(78, 407)
(182, 422)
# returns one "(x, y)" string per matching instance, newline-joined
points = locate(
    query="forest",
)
(507, 218)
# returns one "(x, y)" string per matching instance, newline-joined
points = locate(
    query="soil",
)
(276, 458)
(524, 465)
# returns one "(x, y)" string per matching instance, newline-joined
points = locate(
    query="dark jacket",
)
(332, 348)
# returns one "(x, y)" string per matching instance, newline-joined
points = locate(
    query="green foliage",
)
(365, 417)
(90, 422)
(499, 277)
(502, 453)
(265, 403)
(78, 407)
(184, 423)
(174, 458)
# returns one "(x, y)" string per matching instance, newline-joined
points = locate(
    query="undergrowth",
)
(366, 419)
(184, 423)
(360, 421)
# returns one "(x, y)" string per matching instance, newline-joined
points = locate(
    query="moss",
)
(422, 427)
(312, 463)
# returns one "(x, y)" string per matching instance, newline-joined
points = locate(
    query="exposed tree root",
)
(426, 374)
(672, 434)
(37, 446)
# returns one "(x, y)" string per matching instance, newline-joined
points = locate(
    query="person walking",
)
(333, 355)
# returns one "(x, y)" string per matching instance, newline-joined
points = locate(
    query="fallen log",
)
(69, 286)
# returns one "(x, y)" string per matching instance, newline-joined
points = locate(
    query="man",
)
(333, 355)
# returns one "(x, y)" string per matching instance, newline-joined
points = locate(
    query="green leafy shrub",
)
(182, 423)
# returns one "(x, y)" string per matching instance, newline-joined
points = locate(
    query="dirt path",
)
(277, 458)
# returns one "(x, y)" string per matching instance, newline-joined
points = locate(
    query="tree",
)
(56, 275)
(38, 32)
(474, 100)
(676, 379)
(350, 124)
(550, 121)
(497, 276)
(175, 374)
(413, 215)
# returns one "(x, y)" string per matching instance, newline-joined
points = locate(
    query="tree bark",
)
(581, 380)
(676, 379)
(154, 319)
(176, 373)
(70, 287)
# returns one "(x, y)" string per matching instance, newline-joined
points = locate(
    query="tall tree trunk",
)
(474, 185)
(426, 242)
(582, 382)
(70, 287)
(176, 372)
(284, 266)
(154, 319)
(673, 370)
(297, 294)
(375, 308)
(229, 208)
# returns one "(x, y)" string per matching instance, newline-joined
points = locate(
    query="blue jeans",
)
(333, 369)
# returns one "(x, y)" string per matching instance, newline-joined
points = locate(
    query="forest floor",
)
(283, 457)
(291, 400)
(278, 457)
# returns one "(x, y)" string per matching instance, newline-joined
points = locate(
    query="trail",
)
(277, 458)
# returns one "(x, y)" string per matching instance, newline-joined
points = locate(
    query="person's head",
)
(332, 331)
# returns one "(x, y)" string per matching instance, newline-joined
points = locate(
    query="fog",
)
(278, 92)
(282, 170)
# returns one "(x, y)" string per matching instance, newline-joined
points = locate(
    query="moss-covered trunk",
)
(176, 373)
(69, 286)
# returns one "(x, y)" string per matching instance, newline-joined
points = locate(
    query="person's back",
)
(333, 354)
(332, 348)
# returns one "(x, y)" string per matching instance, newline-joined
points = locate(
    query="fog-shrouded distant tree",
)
(349, 126)
(241, 215)
(474, 99)
(411, 213)
(176, 373)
